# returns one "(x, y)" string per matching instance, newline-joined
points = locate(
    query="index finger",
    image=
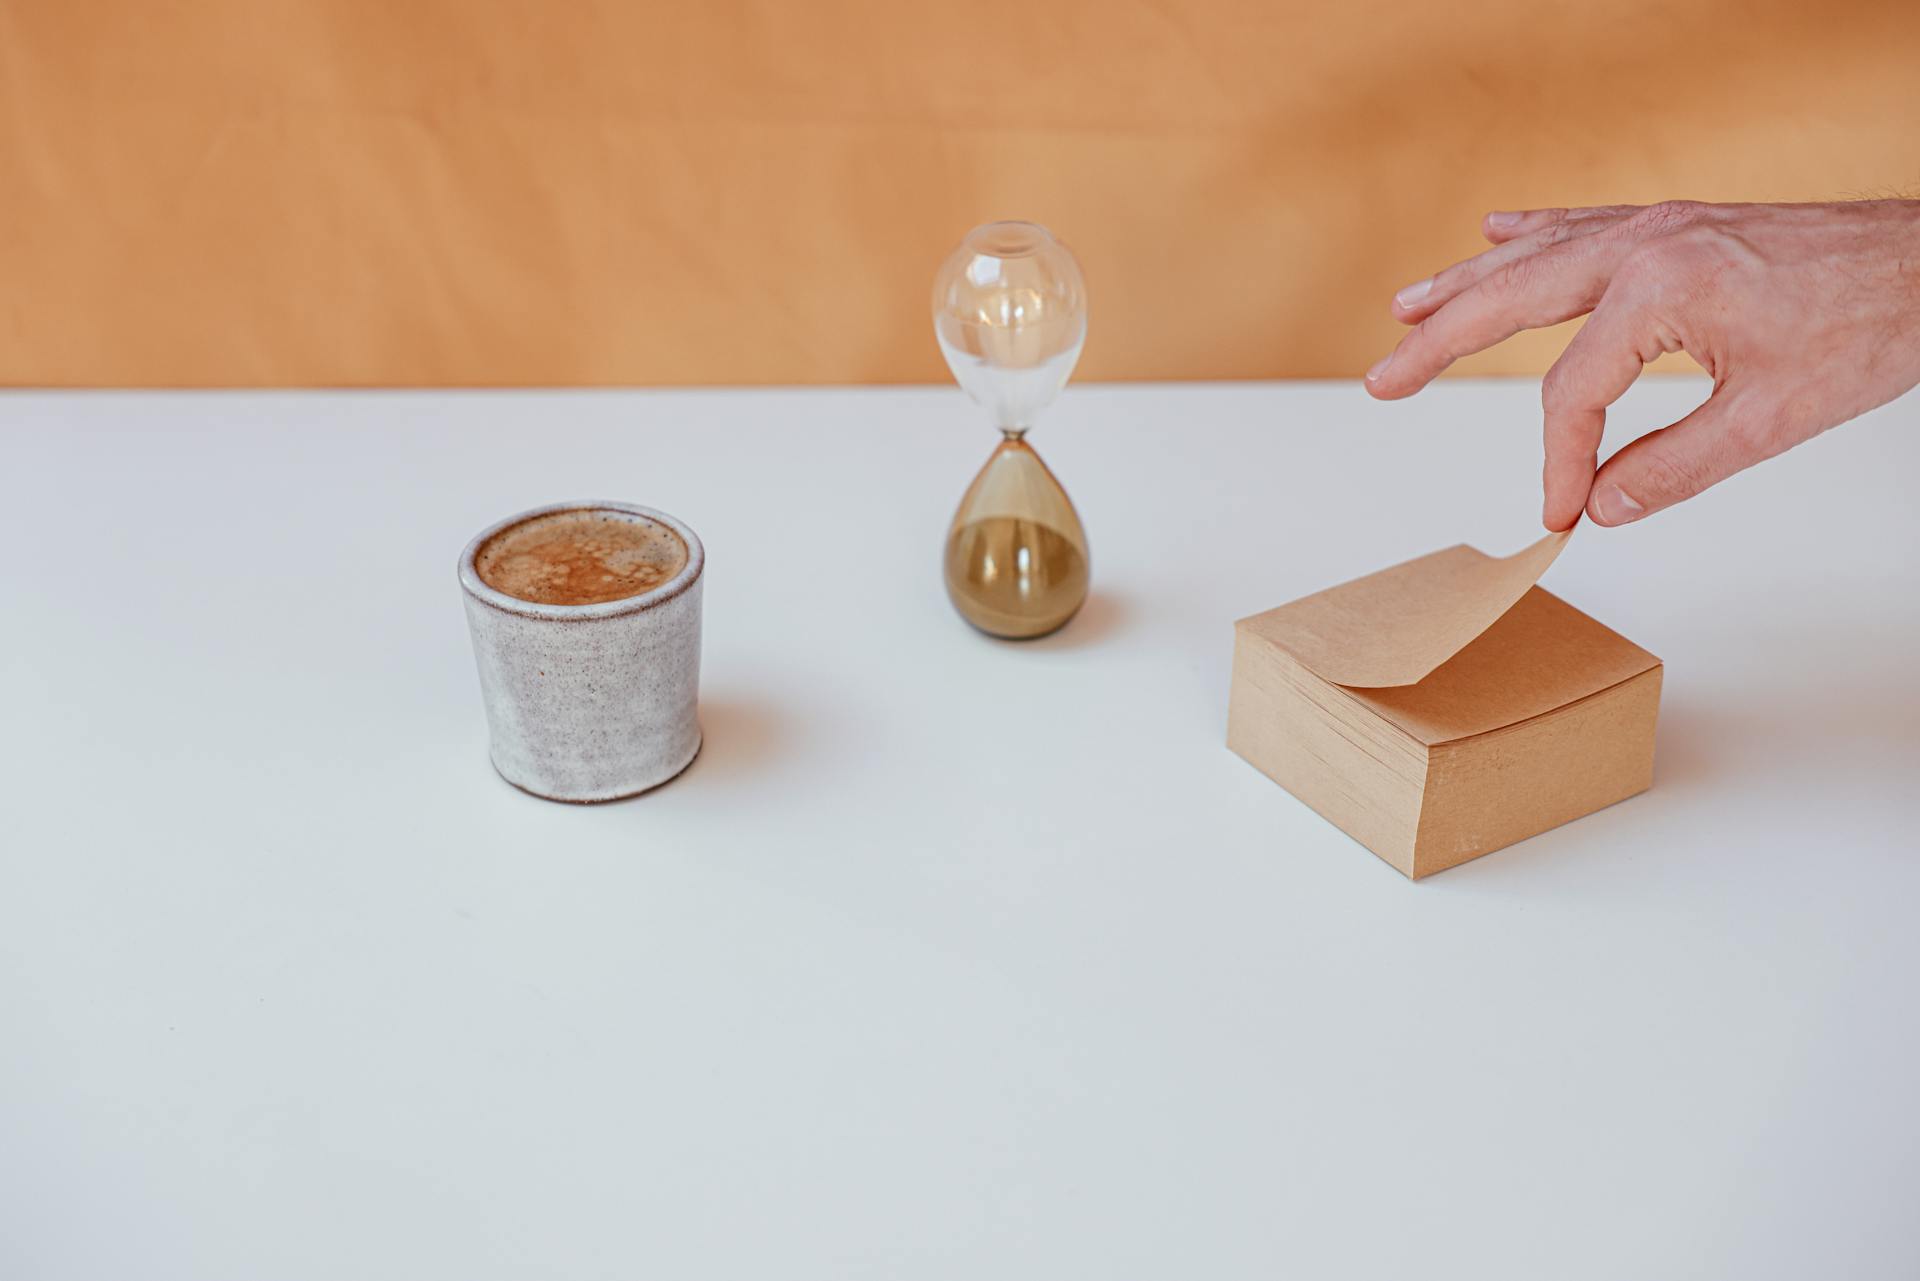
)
(1529, 293)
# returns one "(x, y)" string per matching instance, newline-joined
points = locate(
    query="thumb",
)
(1673, 464)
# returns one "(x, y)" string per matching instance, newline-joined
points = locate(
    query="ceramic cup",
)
(589, 702)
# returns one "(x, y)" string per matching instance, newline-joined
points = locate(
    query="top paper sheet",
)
(1395, 627)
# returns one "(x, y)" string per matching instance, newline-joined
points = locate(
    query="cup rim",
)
(689, 574)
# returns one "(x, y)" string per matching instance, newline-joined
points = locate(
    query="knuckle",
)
(1646, 268)
(1666, 217)
(1556, 388)
(1681, 268)
(1701, 246)
(1669, 477)
(1514, 280)
(1558, 232)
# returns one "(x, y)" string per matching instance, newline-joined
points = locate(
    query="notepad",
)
(1446, 707)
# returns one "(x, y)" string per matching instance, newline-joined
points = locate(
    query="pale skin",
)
(1804, 315)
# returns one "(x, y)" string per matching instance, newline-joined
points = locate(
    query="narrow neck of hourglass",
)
(1014, 435)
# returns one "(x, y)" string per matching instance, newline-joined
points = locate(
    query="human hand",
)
(1805, 316)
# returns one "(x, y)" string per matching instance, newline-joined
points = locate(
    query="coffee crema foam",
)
(581, 557)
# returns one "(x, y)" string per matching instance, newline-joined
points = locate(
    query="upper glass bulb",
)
(1010, 310)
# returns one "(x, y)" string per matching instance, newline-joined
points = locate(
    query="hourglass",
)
(1010, 311)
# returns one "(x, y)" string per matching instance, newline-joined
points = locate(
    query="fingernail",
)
(1614, 506)
(1502, 218)
(1413, 293)
(1381, 366)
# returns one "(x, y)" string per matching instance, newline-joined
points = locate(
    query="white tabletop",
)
(949, 958)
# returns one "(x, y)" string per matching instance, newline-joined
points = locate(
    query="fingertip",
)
(1412, 312)
(1373, 375)
(1397, 392)
(1413, 298)
(1501, 224)
(1556, 518)
(1564, 493)
(1382, 386)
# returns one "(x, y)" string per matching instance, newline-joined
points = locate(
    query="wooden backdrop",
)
(264, 192)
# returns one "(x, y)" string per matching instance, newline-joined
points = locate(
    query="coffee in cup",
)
(586, 632)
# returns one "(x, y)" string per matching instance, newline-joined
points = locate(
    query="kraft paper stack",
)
(1441, 709)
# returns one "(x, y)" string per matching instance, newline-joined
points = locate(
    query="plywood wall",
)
(266, 192)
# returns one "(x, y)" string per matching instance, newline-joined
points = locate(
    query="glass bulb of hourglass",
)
(1010, 313)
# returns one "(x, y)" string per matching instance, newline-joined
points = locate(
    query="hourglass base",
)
(1013, 578)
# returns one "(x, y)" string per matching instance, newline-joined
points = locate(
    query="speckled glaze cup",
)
(589, 702)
